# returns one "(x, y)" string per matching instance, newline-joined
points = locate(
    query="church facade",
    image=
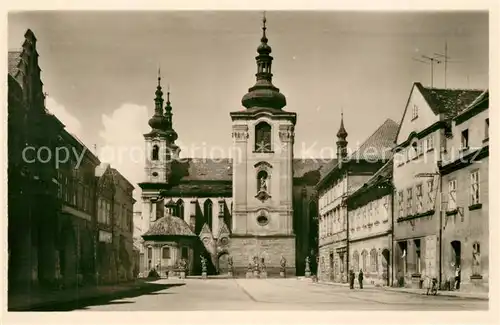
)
(256, 208)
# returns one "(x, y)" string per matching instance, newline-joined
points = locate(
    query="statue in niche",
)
(263, 183)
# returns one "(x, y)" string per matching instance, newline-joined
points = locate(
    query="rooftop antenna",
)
(446, 60)
(429, 60)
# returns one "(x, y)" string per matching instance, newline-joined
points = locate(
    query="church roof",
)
(169, 226)
(379, 144)
(201, 169)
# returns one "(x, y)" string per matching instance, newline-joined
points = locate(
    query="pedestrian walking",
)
(458, 274)
(351, 279)
(360, 279)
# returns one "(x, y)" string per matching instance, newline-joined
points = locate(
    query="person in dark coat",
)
(360, 279)
(351, 279)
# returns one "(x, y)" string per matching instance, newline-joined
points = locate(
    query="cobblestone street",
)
(280, 294)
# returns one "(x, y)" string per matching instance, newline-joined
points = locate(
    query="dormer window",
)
(263, 137)
(155, 153)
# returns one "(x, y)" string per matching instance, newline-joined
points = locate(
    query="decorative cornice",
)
(465, 160)
(286, 133)
(416, 216)
(425, 132)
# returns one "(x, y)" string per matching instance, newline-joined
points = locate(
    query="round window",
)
(262, 220)
(155, 174)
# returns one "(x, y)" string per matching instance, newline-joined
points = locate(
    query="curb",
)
(440, 293)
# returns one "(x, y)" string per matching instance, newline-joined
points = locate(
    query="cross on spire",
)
(159, 74)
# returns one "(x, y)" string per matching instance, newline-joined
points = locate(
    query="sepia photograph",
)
(247, 160)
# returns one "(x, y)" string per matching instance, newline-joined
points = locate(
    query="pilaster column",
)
(240, 178)
(286, 177)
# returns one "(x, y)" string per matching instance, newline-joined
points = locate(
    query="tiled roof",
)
(301, 167)
(201, 169)
(383, 175)
(14, 57)
(448, 101)
(169, 226)
(482, 99)
(379, 144)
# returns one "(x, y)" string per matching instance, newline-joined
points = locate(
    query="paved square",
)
(281, 294)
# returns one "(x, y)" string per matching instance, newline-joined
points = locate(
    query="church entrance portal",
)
(223, 263)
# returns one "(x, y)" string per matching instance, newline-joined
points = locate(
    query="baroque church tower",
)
(161, 150)
(263, 137)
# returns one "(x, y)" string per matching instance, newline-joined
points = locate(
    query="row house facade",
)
(464, 170)
(52, 214)
(116, 259)
(424, 213)
(340, 180)
(370, 228)
(32, 178)
(421, 147)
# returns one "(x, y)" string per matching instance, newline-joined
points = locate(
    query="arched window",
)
(355, 259)
(180, 208)
(373, 260)
(165, 252)
(263, 137)
(207, 212)
(476, 258)
(262, 181)
(156, 152)
(364, 256)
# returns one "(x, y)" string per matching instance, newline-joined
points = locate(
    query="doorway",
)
(332, 270)
(457, 252)
(385, 266)
(223, 263)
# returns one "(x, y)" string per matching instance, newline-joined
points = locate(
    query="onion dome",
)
(342, 133)
(264, 94)
(169, 130)
(158, 121)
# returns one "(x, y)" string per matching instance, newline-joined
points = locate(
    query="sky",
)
(100, 71)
